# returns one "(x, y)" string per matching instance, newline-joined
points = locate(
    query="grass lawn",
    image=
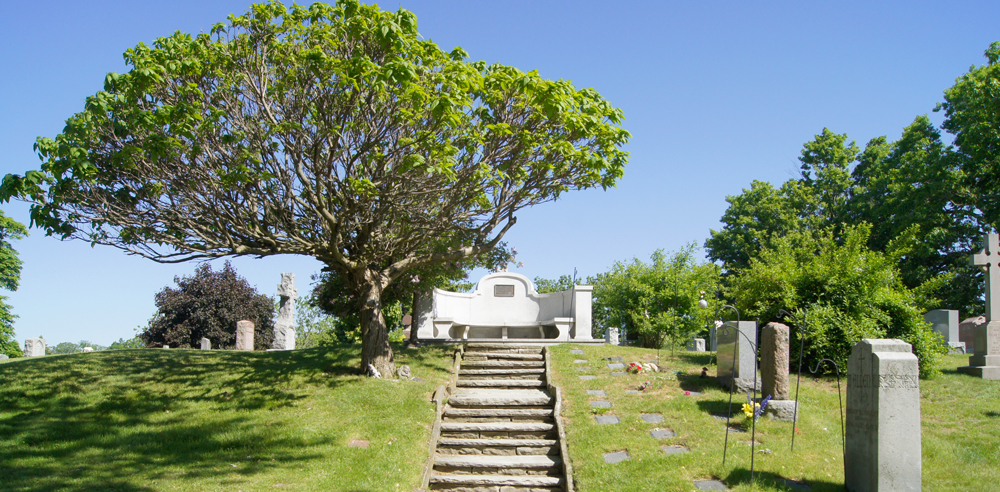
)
(960, 430)
(159, 420)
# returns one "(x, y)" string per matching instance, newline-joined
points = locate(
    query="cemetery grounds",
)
(152, 420)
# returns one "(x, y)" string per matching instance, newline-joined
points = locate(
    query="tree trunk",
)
(375, 349)
(414, 339)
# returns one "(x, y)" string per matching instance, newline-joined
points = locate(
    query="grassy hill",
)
(162, 420)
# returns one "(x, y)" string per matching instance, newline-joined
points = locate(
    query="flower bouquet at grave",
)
(753, 410)
(634, 368)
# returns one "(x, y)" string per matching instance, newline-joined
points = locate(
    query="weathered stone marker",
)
(774, 339)
(945, 322)
(206, 344)
(986, 361)
(244, 335)
(88, 350)
(696, 345)
(284, 328)
(967, 332)
(883, 418)
(611, 336)
(737, 341)
(34, 347)
(4, 357)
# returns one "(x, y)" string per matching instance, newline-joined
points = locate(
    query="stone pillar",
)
(883, 418)
(284, 327)
(206, 344)
(736, 344)
(611, 336)
(244, 335)
(774, 341)
(34, 347)
(582, 312)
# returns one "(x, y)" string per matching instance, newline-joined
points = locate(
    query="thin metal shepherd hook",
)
(732, 386)
(843, 442)
(798, 378)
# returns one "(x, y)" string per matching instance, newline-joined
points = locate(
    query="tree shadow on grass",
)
(87, 422)
(741, 476)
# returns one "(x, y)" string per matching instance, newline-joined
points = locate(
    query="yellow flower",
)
(750, 411)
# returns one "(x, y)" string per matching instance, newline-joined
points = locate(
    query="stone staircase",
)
(499, 430)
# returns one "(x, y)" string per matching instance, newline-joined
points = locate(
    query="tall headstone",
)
(883, 418)
(737, 366)
(244, 335)
(774, 371)
(967, 332)
(611, 336)
(284, 328)
(206, 344)
(986, 361)
(945, 322)
(713, 336)
(34, 347)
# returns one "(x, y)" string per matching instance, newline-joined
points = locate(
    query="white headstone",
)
(883, 418)
(986, 361)
(611, 336)
(88, 350)
(244, 335)
(737, 362)
(696, 345)
(4, 357)
(713, 336)
(206, 344)
(284, 327)
(34, 347)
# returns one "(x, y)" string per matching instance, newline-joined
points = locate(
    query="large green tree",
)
(336, 132)
(10, 277)
(657, 300)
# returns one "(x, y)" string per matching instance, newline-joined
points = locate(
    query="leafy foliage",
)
(658, 300)
(209, 304)
(10, 276)
(564, 282)
(72, 348)
(132, 343)
(840, 293)
(335, 132)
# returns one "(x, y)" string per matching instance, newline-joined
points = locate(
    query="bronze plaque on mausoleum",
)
(503, 291)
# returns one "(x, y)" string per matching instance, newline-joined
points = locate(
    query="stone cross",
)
(284, 327)
(989, 260)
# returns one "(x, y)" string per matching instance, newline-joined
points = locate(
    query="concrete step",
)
(494, 443)
(514, 364)
(499, 347)
(453, 412)
(496, 480)
(502, 355)
(468, 397)
(501, 372)
(499, 383)
(501, 462)
(496, 427)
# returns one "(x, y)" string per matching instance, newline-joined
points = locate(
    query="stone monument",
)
(696, 345)
(244, 335)
(88, 350)
(206, 344)
(883, 418)
(284, 327)
(774, 371)
(986, 361)
(611, 336)
(713, 336)
(34, 347)
(945, 322)
(736, 343)
(967, 332)
(4, 357)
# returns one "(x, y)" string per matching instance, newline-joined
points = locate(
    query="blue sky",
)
(716, 94)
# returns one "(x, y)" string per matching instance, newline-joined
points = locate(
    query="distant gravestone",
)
(736, 344)
(404, 372)
(88, 350)
(611, 336)
(945, 322)
(986, 361)
(34, 347)
(696, 345)
(244, 335)
(284, 327)
(883, 417)
(713, 336)
(774, 356)
(4, 357)
(967, 332)
(206, 344)
(166, 346)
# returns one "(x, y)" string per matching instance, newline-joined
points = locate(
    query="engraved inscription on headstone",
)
(34, 347)
(883, 417)
(611, 336)
(502, 290)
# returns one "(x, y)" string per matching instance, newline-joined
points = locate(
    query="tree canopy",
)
(330, 131)
(10, 277)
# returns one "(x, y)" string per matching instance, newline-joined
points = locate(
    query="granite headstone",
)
(736, 368)
(244, 335)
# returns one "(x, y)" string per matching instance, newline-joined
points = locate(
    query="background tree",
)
(334, 132)
(840, 293)
(132, 343)
(658, 300)
(208, 304)
(564, 282)
(10, 276)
